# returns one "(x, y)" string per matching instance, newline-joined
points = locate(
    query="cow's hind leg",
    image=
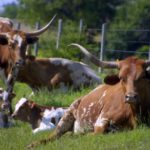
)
(65, 124)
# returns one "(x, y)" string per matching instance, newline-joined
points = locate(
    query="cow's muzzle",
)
(131, 98)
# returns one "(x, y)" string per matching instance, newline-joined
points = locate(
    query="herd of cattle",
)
(122, 101)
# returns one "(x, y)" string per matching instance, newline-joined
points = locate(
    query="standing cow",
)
(13, 45)
(111, 105)
(5, 26)
(12, 56)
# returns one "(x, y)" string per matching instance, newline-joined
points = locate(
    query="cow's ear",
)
(31, 40)
(3, 40)
(32, 105)
(112, 79)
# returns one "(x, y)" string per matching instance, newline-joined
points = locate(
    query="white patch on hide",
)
(5, 95)
(19, 104)
(46, 123)
(77, 127)
(104, 94)
(100, 122)
(80, 72)
(19, 39)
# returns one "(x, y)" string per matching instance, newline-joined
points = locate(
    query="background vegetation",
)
(118, 14)
(127, 17)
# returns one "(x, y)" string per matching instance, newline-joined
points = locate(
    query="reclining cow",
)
(116, 104)
(55, 73)
(40, 118)
(46, 72)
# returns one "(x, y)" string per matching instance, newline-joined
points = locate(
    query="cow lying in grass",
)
(41, 118)
(53, 73)
(116, 104)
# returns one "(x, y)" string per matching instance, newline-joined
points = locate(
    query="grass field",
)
(19, 136)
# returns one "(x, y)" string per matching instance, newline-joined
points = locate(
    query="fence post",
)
(102, 41)
(149, 54)
(80, 28)
(36, 45)
(59, 33)
(18, 26)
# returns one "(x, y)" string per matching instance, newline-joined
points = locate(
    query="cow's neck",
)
(35, 117)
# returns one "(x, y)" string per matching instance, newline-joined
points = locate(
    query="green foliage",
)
(10, 11)
(143, 51)
(70, 34)
(19, 136)
(94, 12)
(132, 15)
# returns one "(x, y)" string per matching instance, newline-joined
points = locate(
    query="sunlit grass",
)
(20, 135)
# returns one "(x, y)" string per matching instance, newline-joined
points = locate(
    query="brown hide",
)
(38, 73)
(96, 112)
(32, 113)
(29, 112)
(107, 105)
(53, 73)
(5, 54)
(16, 42)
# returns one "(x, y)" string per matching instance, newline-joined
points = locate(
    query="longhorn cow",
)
(12, 56)
(55, 73)
(15, 42)
(115, 105)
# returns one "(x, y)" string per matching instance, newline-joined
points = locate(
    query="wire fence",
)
(100, 43)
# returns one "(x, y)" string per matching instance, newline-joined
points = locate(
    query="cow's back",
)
(79, 73)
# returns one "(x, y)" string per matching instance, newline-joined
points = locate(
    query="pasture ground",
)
(19, 136)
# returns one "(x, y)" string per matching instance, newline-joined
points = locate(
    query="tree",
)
(133, 15)
(10, 10)
(94, 12)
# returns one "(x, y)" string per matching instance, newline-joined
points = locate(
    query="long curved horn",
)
(103, 64)
(38, 32)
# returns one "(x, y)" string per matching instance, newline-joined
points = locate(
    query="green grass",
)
(19, 136)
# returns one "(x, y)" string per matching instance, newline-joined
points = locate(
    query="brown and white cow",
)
(40, 118)
(12, 56)
(5, 26)
(55, 73)
(117, 105)
(13, 44)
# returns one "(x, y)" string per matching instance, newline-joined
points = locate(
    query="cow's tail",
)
(51, 138)
(64, 125)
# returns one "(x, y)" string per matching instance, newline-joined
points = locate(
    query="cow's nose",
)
(131, 98)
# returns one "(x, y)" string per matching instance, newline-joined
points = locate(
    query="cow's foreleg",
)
(101, 125)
